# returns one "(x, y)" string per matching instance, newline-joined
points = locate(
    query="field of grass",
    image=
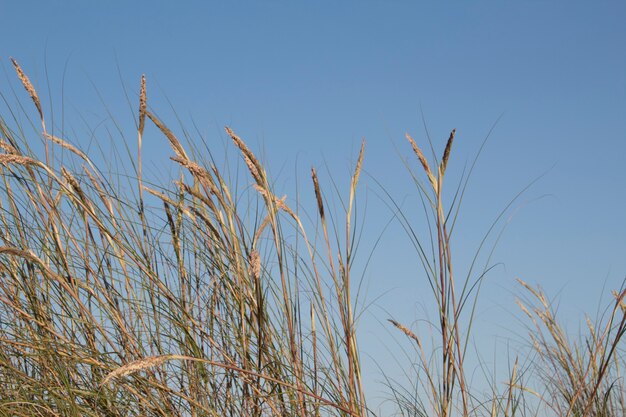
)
(121, 297)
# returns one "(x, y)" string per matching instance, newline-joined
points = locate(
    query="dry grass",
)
(584, 378)
(110, 306)
(180, 300)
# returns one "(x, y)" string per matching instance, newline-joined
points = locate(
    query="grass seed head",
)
(28, 86)
(174, 142)
(142, 104)
(446, 152)
(318, 193)
(253, 164)
(136, 366)
(405, 330)
(6, 159)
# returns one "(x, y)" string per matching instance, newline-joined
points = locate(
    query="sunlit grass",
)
(192, 299)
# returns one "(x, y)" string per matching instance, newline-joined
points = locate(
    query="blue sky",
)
(303, 82)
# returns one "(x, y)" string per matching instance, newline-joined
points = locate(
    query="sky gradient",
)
(303, 82)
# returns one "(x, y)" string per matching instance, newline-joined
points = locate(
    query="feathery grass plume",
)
(195, 169)
(174, 142)
(359, 164)
(28, 86)
(6, 159)
(423, 161)
(139, 365)
(446, 154)
(35, 98)
(406, 331)
(253, 164)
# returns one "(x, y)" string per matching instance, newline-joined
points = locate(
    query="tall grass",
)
(112, 305)
(582, 377)
(197, 298)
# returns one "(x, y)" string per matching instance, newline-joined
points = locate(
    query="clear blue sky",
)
(305, 81)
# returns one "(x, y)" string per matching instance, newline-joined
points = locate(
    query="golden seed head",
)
(174, 142)
(405, 330)
(17, 159)
(28, 86)
(419, 153)
(146, 363)
(253, 164)
(424, 162)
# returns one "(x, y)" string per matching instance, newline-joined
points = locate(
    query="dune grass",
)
(192, 299)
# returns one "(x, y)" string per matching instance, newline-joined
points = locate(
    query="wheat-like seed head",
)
(174, 142)
(318, 193)
(142, 104)
(423, 161)
(6, 159)
(419, 153)
(446, 152)
(253, 169)
(200, 173)
(405, 330)
(136, 366)
(253, 164)
(195, 169)
(28, 86)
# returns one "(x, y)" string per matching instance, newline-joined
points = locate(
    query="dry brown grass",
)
(191, 310)
(208, 298)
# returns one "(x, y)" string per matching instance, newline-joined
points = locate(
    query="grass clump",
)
(584, 377)
(198, 299)
(111, 305)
